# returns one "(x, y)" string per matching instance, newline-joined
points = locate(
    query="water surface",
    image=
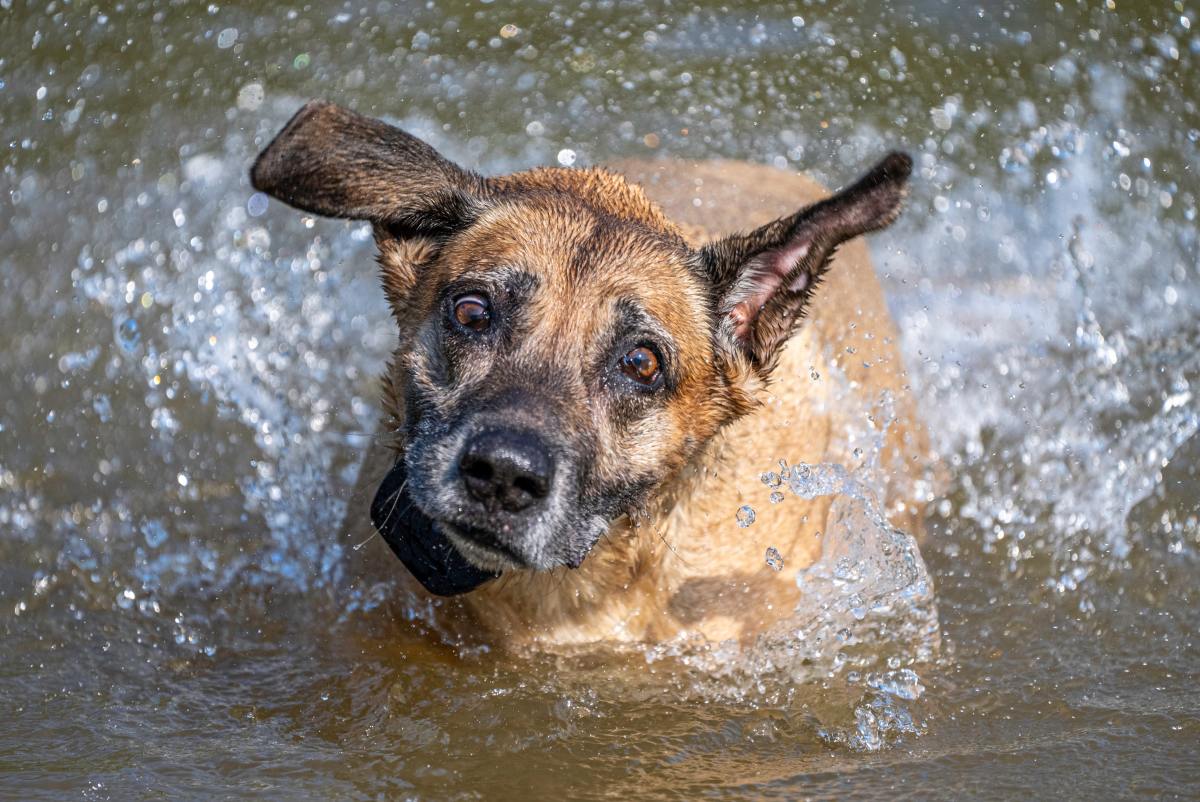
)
(189, 382)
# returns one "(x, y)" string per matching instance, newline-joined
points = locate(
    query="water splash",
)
(882, 716)
(1102, 412)
(867, 605)
(870, 589)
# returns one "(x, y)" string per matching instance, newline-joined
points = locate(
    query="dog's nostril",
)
(477, 469)
(531, 485)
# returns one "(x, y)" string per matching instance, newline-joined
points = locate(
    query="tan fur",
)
(681, 565)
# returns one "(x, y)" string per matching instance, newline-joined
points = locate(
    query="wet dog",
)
(588, 383)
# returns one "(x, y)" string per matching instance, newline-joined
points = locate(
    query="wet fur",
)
(657, 481)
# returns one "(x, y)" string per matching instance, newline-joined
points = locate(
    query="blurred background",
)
(188, 383)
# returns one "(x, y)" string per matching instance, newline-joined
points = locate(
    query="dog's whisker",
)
(658, 533)
(394, 499)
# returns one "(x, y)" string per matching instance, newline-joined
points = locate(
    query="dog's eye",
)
(473, 312)
(641, 365)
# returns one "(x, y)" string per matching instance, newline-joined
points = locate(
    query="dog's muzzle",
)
(417, 541)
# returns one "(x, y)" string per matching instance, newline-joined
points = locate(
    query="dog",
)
(590, 376)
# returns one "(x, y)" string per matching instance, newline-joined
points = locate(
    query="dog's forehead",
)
(585, 257)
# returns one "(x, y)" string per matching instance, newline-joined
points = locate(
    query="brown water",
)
(188, 383)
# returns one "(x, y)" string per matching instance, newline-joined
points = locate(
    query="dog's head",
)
(563, 351)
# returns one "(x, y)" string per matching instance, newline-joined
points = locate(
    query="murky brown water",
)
(188, 384)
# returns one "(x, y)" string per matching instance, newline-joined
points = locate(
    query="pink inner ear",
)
(763, 278)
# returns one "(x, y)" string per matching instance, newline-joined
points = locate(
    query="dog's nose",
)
(508, 470)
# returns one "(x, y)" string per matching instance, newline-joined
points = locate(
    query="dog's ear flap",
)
(763, 280)
(335, 162)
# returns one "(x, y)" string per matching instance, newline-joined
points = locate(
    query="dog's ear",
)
(762, 281)
(335, 162)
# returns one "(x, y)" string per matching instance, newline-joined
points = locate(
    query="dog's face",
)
(563, 352)
(548, 378)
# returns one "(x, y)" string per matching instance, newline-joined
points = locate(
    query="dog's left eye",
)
(641, 365)
(473, 312)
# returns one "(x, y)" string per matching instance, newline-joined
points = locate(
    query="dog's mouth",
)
(431, 550)
(481, 547)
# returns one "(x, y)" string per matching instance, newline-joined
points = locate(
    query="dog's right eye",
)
(473, 313)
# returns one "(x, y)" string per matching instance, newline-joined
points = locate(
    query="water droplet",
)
(857, 608)
(256, 206)
(776, 497)
(129, 335)
(901, 683)
(102, 406)
(154, 533)
(745, 515)
(250, 97)
(566, 157)
(774, 559)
